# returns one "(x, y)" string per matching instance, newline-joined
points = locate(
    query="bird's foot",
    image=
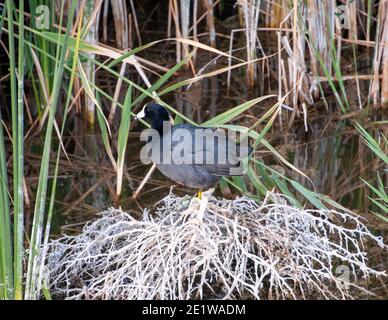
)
(204, 201)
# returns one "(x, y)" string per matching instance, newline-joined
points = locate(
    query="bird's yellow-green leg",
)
(199, 195)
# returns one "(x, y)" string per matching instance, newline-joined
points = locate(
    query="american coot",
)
(193, 156)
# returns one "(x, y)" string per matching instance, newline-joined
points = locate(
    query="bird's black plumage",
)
(202, 165)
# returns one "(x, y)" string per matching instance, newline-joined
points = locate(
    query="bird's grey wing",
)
(228, 165)
(220, 156)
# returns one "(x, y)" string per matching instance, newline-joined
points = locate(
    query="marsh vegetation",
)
(306, 81)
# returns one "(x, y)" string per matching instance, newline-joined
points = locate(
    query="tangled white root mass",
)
(213, 249)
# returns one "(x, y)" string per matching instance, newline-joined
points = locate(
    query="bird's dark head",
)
(156, 113)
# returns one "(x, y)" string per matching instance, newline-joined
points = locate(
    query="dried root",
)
(217, 249)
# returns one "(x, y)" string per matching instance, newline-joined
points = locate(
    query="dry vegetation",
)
(215, 249)
(265, 68)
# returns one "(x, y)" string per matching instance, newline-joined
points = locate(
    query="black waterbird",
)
(201, 164)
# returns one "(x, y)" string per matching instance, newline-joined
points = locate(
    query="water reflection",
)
(335, 159)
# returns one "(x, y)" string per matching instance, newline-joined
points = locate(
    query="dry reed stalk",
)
(117, 94)
(209, 5)
(175, 15)
(251, 12)
(185, 23)
(182, 23)
(169, 19)
(281, 65)
(321, 27)
(295, 56)
(278, 10)
(352, 5)
(322, 39)
(195, 24)
(91, 10)
(384, 91)
(145, 180)
(279, 38)
(105, 13)
(384, 84)
(229, 76)
(380, 54)
(353, 35)
(135, 22)
(119, 11)
(120, 18)
(130, 30)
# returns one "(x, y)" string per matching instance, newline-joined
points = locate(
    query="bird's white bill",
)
(141, 114)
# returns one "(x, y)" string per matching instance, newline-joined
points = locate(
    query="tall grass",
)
(379, 146)
(17, 81)
(13, 289)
